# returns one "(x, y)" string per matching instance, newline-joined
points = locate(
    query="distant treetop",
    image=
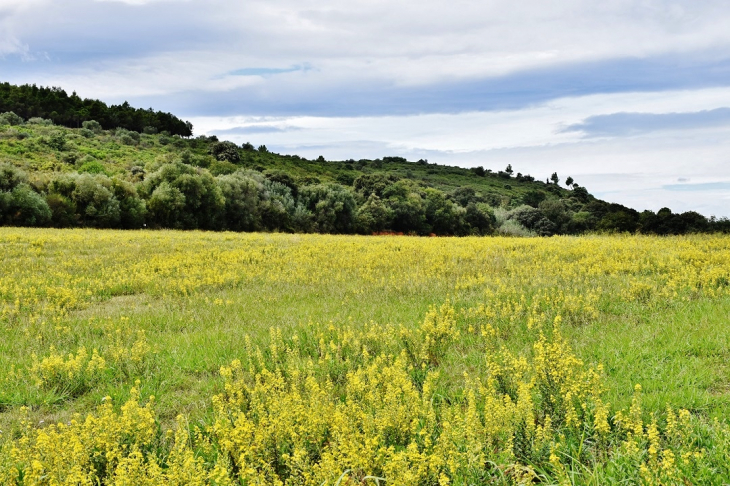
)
(30, 101)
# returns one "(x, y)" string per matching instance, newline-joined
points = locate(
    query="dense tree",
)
(181, 196)
(332, 205)
(377, 183)
(31, 101)
(92, 198)
(373, 216)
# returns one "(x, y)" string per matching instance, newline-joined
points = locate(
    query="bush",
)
(480, 218)
(40, 121)
(225, 151)
(10, 177)
(10, 118)
(406, 200)
(280, 208)
(92, 167)
(443, 216)
(86, 133)
(132, 209)
(92, 195)
(243, 202)
(92, 125)
(57, 141)
(373, 216)
(24, 207)
(184, 197)
(63, 211)
(332, 205)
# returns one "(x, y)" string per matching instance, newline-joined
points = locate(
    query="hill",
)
(31, 101)
(53, 175)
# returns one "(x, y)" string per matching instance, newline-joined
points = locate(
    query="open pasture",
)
(313, 359)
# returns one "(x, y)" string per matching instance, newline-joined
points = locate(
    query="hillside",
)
(57, 176)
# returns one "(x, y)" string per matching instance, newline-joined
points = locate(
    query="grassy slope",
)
(36, 156)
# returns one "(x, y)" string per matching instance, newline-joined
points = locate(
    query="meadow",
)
(168, 357)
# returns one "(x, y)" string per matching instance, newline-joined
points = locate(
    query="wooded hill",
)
(31, 101)
(51, 175)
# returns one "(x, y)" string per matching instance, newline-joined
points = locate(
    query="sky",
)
(629, 97)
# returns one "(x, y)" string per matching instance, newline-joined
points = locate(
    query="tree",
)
(225, 151)
(509, 170)
(569, 181)
(195, 200)
(555, 179)
(332, 205)
(243, 196)
(373, 216)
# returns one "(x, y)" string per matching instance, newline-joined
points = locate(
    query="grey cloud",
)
(255, 129)
(623, 124)
(314, 94)
(704, 186)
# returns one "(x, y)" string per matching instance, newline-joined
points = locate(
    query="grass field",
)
(311, 359)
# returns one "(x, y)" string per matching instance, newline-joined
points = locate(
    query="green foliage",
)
(92, 167)
(243, 202)
(91, 195)
(443, 216)
(227, 151)
(410, 197)
(333, 207)
(57, 141)
(92, 125)
(181, 196)
(373, 216)
(36, 103)
(480, 218)
(10, 177)
(23, 207)
(406, 201)
(10, 118)
(374, 183)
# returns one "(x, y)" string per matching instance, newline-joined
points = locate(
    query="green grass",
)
(674, 345)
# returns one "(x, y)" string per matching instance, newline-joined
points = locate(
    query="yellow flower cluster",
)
(49, 272)
(351, 417)
(77, 369)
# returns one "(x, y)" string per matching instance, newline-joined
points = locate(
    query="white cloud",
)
(630, 170)
(166, 52)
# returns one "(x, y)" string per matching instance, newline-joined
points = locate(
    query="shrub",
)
(242, 202)
(92, 125)
(332, 205)
(194, 198)
(373, 216)
(10, 118)
(92, 167)
(57, 141)
(86, 133)
(40, 121)
(10, 177)
(225, 151)
(24, 207)
(92, 195)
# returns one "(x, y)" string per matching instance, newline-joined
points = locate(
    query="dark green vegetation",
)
(61, 177)
(71, 111)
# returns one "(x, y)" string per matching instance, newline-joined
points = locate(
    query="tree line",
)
(204, 183)
(181, 196)
(31, 101)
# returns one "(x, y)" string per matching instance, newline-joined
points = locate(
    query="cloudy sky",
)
(629, 97)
